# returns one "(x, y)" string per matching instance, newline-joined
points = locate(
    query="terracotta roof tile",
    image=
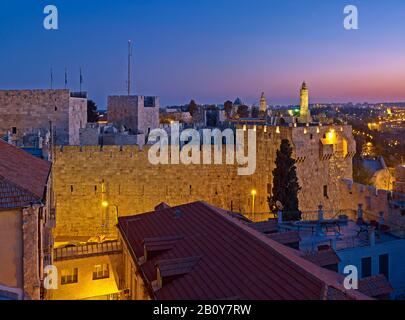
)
(285, 237)
(23, 177)
(323, 258)
(375, 286)
(234, 260)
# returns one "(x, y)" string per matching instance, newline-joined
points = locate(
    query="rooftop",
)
(196, 251)
(23, 177)
(338, 234)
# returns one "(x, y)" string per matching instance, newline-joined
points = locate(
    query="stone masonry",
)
(137, 113)
(125, 179)
(30, 111)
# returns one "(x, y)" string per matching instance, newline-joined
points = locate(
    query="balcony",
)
(86, 251)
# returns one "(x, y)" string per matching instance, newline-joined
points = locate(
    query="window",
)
(384, 265)
(325, 191)
(366, 267)
(69, 276)
(14, 130)
(101, 271)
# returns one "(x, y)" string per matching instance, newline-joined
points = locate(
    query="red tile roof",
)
(375, 286)
(234, 261)
(323, 258)
(23, 177)
(286, 238)
(270, 226)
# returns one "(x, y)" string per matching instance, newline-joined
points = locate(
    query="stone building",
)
(87, 271)
(104, 135)
(123, 177)
(135, 113)
(26, 220)
(305, 115)
(263, 103)
(400, 179)
(25, 112)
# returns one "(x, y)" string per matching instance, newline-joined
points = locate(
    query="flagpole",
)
(81, 80)
(66, 78)
(51, 78)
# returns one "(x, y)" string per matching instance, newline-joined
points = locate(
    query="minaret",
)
(305, 116)
(263, 103)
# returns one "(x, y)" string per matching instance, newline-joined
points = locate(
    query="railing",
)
(88, 250)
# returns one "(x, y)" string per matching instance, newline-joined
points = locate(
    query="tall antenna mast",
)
(129, 66)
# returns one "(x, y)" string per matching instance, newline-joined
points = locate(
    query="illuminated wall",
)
(124, 178)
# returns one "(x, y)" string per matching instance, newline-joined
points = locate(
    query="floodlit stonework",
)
(33, 111)
(136, 113)
(122, 178)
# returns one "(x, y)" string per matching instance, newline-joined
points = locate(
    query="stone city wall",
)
(124, 178)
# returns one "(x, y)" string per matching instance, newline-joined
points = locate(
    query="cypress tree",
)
(285, 183)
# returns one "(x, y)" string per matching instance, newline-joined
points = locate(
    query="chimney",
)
(371, 236)
(178, 214)
(360, 213)
(280, 217)
(381, 221)
(333, 244)
(320, 213)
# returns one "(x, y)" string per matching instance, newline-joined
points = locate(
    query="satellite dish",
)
(279, 205)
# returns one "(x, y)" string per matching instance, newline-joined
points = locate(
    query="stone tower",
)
(305, 116)
(263, 103)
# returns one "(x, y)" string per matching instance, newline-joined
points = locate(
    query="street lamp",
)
(253, 192)
(105, 204)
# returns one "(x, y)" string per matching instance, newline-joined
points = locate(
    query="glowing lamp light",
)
(278, 129)
(104, 204)
(305, 131)
(265, 128)
(253, 192)
(318, 130)
(244, 127)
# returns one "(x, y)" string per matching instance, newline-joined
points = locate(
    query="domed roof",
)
(238, 102)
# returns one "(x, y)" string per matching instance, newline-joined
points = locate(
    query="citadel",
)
(102, 179)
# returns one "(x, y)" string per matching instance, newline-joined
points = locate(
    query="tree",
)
(243, 111)
(192, 107)
(285, 183)
(360, 173)
(255, 112)
(228, 106)
(92, 114)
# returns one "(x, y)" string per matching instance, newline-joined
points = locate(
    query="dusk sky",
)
(209, 50)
